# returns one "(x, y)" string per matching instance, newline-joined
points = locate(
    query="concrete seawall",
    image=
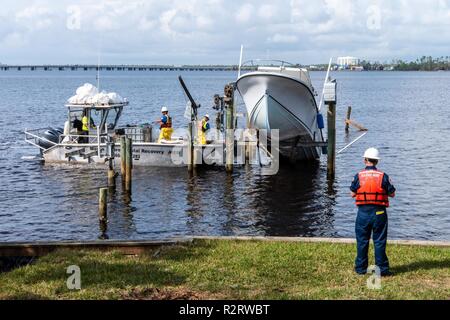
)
(37, 249)
(330, 240)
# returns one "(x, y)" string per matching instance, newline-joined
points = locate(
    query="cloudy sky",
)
(211, 31)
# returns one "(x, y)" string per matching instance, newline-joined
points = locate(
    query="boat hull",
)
(152, 155)
(280, 102)
(144, 154)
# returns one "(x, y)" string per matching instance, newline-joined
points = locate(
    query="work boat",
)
(103, 110)
(279, 95)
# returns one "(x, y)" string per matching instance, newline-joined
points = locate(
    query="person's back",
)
(78, 125)
(371, 189)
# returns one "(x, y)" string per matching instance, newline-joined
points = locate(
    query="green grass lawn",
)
(232, 270)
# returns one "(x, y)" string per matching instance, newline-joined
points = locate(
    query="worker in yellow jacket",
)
(203, 129)
(165, 125)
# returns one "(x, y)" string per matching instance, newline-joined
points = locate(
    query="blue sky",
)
(211, 31)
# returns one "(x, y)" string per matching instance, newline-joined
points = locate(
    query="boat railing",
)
(33, 136)
(71, 139)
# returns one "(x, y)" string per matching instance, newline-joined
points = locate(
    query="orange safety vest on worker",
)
(371, 190)
(166, 121)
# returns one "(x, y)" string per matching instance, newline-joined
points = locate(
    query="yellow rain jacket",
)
(85, 122)
(202, 130)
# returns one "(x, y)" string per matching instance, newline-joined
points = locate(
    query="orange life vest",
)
(371, 190)
(168, 124)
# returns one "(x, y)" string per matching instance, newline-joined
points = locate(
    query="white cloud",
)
(244, 13)
(267, 11)
(146, 24)
(283, 38)
(166, 20)
(211, 31)
(204, 22)
(35, 17)
(14, 40)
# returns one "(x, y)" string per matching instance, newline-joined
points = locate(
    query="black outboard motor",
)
(50, 134)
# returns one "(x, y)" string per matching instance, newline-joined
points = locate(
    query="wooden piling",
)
(111, 173)
(128, 164)
(331, 122)
(330, 98)
(347, 122)
(247, 141)
(190, 155)
(229, 133)
(111, 177)
(103, 205)
(122, 156)
(218, 125)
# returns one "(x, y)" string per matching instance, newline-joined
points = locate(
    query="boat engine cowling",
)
(52, 135)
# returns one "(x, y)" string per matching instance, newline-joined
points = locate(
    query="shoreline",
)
(230, 269)
(134, 247)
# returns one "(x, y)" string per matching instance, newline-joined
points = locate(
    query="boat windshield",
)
(278, 67)
(268, 63)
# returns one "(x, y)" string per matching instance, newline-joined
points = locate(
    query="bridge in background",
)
(117, 68)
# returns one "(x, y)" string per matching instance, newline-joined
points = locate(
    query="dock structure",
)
(89, 67)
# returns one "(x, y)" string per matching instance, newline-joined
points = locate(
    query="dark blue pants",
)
(371, 219)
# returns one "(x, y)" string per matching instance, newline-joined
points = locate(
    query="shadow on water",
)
(295, 202)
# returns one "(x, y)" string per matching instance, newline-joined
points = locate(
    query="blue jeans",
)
(371, 219)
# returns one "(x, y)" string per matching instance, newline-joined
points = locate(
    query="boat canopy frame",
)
(103, 108)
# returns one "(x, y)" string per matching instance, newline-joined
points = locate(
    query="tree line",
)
(423, 63)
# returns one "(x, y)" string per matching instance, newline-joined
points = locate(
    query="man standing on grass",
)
(371, 189)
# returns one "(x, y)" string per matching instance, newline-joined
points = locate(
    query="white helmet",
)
(207, 116)
(372, 153)
(164, 109)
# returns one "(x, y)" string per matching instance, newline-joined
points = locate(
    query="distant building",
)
(347, 62)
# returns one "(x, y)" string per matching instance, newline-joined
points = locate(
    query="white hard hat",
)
(207, 116)
(164, 109)
(372, 153)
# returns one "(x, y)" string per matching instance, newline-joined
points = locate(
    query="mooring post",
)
(330, 101)
(347, 121)
(123, 156)
(247, 141)
(103, 205)
(218, 125)
(128, 164)
(190, 154)
(111, 173)
(229, 133)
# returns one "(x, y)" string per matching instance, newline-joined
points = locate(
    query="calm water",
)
(405, 112)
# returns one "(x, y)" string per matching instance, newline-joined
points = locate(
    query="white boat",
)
(102, 142)
(280, 96)
(57, 146)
